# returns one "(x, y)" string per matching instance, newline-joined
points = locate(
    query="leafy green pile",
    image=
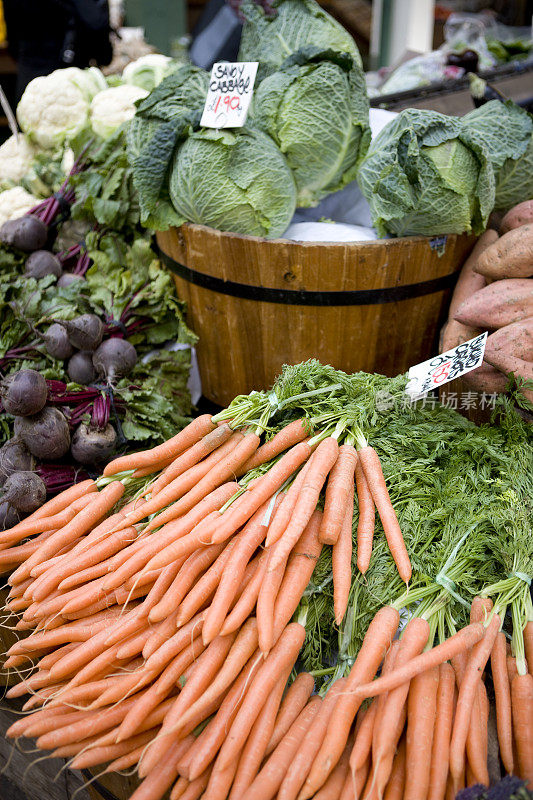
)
(425, 174)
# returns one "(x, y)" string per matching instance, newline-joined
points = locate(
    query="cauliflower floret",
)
(16, 156)
(112, 107)
(15, 202)
(52, 110)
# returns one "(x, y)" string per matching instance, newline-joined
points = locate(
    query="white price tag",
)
(231, 87)
(446, 367)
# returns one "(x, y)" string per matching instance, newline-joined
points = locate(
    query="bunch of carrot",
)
(161, 597)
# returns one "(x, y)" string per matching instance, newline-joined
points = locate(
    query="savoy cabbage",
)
(425, 174)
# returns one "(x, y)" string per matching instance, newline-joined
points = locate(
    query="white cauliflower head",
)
(16, 156)
(52, 109)
(112, 107)
(15, 202)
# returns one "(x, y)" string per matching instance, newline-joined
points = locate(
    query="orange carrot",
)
(362, 746)
(443, 728)
(341, 563)
(378, 488)
(367, 519)
(522, 703)
(282, 517)
(421, 715)
(462, 640)
(375, 644)
(101, 755)
(396, 785)
(163, 776)
(502, 691)
(339, 494)
(261, 491)
(268, 781)
(205, 587)
(467, 693)
(293, 703)
(255, 746)
(266, 601)
(333, 786)
(192, 456)
(288, 436)
(354, 785)
(31, 526)
(322, 461)
(246, 602)
(310, 745)
(358, 760)
(194, 431)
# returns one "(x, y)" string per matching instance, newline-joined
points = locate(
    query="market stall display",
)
(165, 601)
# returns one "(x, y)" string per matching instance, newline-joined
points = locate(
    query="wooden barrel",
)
(258, 304)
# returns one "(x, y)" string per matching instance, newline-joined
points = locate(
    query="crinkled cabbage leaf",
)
(425, 174)
(297, 23)
(316, 110)
(506, 130)
(233, 180)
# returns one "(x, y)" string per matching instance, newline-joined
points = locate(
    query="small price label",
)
(230, 91)
(446, 367)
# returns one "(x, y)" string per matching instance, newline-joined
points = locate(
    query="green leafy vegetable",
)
(425, 174)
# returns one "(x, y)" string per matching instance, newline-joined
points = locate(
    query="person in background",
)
(44, 35)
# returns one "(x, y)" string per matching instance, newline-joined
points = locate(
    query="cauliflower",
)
(148, 71)
(15, 202)
(90, 81)
(112, 107)
(15, 160)
(52, 109)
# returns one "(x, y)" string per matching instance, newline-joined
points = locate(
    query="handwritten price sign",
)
(446, 367)
(230, 91)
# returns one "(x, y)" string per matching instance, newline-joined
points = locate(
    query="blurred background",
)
(417, 53)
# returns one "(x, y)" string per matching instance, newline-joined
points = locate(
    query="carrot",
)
(246, 602)
(261, 491)
(161, 779)
(101, 755)
(333, 786)
(462, 640)
(397, 781)
(282, 517)
(56, 504)
(378, 488)
(341, 563)
(192, 456)
(84, 520)
(32, 526)
(339, 494)
(282, 656)
(467, 693)
(212, 737)
(367, 518)
(255, 746)
(353, 786)
(242, 649)
(522, 703)
(266, 601)
(322, 461)
(421, 715)
(375, 644)
(194, 431)
(511, 668)
(191, 790)
(438, 772)
(362, 746)
(204, 588)
(220, 782)
(528, 645)
(356, 762)
(310, 745)
(287, 437)
(269, 779)
(247, 542)
(292, 704)
(502, 692)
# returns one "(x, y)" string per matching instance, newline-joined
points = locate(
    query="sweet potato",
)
(454, 333)
(485, 378)
(520, 215)
(507, 363)
(470, 281)
(515, 340)
(501, 303)
(510, 257)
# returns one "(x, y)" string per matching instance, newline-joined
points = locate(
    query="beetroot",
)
(84, 332)
(80, 368)
(24, 392)
(57, 343)
(115, 358)
(14, 457)
(26, 233)
(67, 278)
(42, 263)
(46, 435)
(8, 516)
(25, 491)
(93, 446)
